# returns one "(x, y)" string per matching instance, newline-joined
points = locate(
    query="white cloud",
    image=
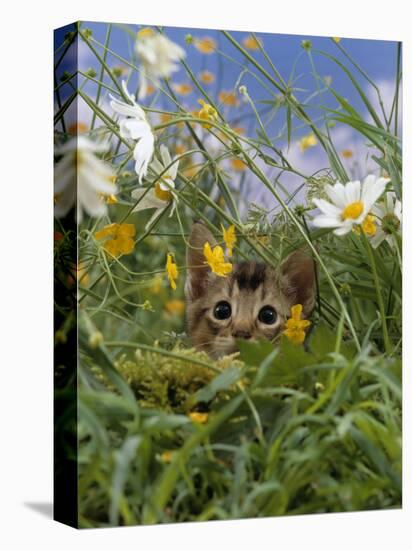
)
(387, 89)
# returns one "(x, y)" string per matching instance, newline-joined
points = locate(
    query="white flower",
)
(81, 175)
(351, 203)
(158, 56)
(162, 193)
(135, 127)
(388, 220)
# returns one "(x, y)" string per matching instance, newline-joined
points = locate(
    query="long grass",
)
(277, 430)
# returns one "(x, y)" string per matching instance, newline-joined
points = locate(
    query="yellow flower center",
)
(369, 225)
(145, 33)
(183, 89)
(78, 128)
(347, 153)
(228, 98)
(307, 141)
(206, 77)
(352, 211)
(162, 194)
(238, 165)
(111, 199)
(205, 45)
(251, 43)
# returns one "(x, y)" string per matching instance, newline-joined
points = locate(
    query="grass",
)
(164, 433)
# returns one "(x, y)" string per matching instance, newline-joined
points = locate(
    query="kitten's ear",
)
(198, 271)
(299, 280)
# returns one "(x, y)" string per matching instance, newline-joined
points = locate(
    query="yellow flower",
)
(111, 199)
(156, 285)
(78, 128)
(229, 236)
(238, 165)
(352, 211)
(146, 33)
(183, 88)
(78, 272)
(351, 203)
(228, 98)
(295, 326)
(161, 193)
(336, 39)
(207, 112)
(347, 153)
(368, 225)
(205, 45)
(150, 89)
(165, 117)
(180, 149)
(198, 417)
(216, 260)
(166, 456)
(172, 271)
(175, 307)
(96, 339)
(119, 238)
(82, 275)
(239, 130)
(307, 141)
(192, 170)
(251, 43)
(206, 77)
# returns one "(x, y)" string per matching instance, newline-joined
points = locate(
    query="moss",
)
(169, 383)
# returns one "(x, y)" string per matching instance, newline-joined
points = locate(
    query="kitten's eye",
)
(267, 315)
(222, 310)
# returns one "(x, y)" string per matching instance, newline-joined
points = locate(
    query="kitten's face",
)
(252, 303)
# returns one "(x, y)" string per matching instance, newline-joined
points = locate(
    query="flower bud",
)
(95, 339)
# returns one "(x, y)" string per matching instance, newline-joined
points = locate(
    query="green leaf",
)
(254, 353)
(122, 458)
(322, 341)
(222, 382)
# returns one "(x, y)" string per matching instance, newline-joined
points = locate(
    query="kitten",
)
(252, 302)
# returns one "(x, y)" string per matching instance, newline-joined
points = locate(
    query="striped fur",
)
(250, 286)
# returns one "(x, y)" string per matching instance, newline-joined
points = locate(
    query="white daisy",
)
(162, 193)
(158, 55)
(81, 175)
(388, 219)
(351, 203)
(136, 127)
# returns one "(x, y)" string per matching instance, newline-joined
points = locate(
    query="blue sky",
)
(376, 57)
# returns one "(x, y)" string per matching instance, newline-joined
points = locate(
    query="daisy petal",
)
(327, 208)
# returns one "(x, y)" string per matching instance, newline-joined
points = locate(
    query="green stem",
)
(379, 297)
(99, 86)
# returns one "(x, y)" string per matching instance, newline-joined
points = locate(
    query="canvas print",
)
(228, 274)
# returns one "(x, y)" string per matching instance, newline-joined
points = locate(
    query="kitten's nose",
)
(242, 333)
